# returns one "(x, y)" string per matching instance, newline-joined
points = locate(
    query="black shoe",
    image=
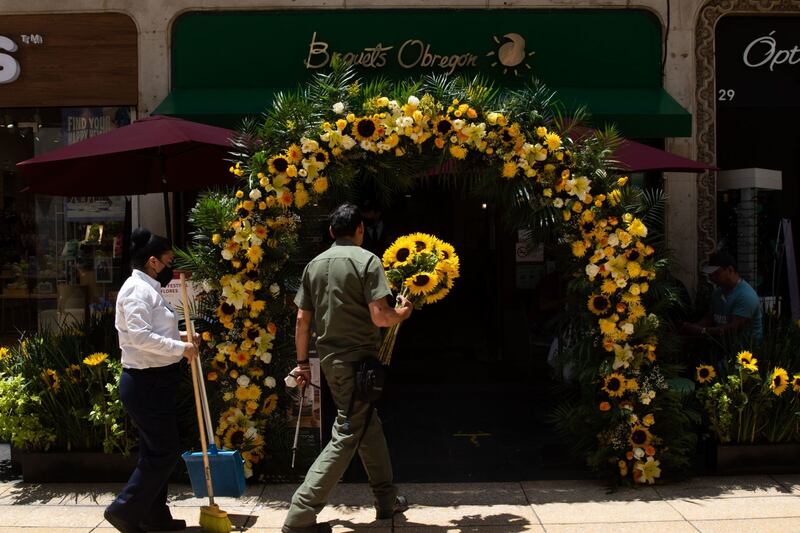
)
(121, 524)
(322, 527)
(172, 524)
(400, 506)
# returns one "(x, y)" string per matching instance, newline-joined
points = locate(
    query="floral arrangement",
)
(422, 268)
(338, 128)
(58, 393)
(750, 405)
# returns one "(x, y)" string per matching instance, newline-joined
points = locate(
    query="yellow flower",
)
(459, 152)
(640, 436)
(270, 404)
(95, 358)
(422, 242)
(51, 379)
(779, 381)
(422, 283)
(436, 296)
(599, 304)
(705, 373)
(796, 383)
(648, 420)
(608, 287)
(746, 360)
(234, 437)
(541, 131)
(622, 181)
(300, 198)
(294, 153)
(73, 373)
(509, 169)
(637, 228)
(216, 238)
(278, 164)
(553, 141)
(400, 253)
(254, 254)
(320, 185)
(579, 248)
(648, 471)
(614, 384)
(366, 129)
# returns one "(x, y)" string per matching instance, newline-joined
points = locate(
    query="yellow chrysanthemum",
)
(254, 254)
(779, 381)
(609, 287)
(4, 353)
(637, 228)
(422, 283)
(457, 151)
(705, 373)
(95, 358)
(553, 141)
(320, 185)
(509, 169)
(746, 360)
(579, 248)
(294, 153)
(614, 384)
(400, 253)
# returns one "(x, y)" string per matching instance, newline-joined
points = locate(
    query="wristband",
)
(303, 362)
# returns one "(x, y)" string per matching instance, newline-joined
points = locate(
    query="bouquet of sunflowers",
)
(421, 268)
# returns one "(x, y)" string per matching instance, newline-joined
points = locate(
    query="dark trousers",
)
(149, 398)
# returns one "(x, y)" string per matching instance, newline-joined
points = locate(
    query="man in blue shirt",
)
(735, 306)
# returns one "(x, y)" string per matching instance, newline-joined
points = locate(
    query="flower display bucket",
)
(757, 458)
(227, 472)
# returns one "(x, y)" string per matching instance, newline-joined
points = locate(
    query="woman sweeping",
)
(152, 348)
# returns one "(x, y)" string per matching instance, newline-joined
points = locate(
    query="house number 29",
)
(725, 95)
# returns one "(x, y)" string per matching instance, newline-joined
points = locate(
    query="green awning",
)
(637, 113)
(220, 107)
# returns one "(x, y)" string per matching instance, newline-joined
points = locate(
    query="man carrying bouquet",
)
(344, 290)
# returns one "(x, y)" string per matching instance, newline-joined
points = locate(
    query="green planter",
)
(757, 458)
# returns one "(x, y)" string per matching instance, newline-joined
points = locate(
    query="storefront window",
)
(60, 257)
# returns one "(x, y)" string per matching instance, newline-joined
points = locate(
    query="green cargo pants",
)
(324, 474)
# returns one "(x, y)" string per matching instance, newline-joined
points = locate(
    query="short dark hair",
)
(345, 220)
(144, 245)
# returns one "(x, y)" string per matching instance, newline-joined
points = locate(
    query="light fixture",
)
(484, 206)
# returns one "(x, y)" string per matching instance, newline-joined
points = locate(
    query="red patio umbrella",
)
(638, 157)
(154, 154)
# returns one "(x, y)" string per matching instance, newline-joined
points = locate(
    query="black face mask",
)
(165, 276)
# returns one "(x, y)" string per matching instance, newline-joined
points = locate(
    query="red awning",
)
(638, 157)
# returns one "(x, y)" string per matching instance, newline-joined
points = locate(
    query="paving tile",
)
(182, 496)
(723, 487)
(454, 494)
(17, 529)
(737, 508)
(47, 516)
(61, 494)
(672, 526)
(750, 525)
(518, 528)
(558, 491)
(510, 517)
(789, 481)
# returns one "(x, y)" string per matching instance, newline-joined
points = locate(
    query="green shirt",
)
(338, 286)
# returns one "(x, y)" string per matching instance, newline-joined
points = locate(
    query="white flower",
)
(290, 381)
(308, 145)
(458, 124)
(613, 240)
(592, 270)
(645, 400)
(269, 381)
(413, 100)
(266, 358)
(638, 453)
(348, 142)
(338, 108)
(255, 194)
(558, 203)
(243, 381)
(274, 290)
(627, 327)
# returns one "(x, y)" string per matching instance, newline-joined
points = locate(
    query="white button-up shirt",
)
(147, 325)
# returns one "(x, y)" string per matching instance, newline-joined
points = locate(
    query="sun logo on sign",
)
(511, 53)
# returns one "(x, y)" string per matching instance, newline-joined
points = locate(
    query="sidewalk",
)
(711, 504)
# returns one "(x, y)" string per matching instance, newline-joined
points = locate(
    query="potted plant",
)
(59, 394)
(753, 414)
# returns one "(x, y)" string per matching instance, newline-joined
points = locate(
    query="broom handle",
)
(197, 399)
(206, 409)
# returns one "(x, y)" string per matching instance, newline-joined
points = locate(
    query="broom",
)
(212, 518)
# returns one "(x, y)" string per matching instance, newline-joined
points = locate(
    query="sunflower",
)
(640, 436)
(95, 358)
(599, 304)
(422, 242)
(444, 251)
(225, 313)
(278, 164)
(73, 373)
(51, 379)
(400, 253)
(270, 404)
(705, 373)
(366, 129)
(746, 360)
(442, 126)
(422, 283)
(234, 438)
(779, 381)
(321, 156)
(796, 383)
(614, 384)
(436, 296)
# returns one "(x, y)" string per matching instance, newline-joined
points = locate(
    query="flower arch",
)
(314, 142)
